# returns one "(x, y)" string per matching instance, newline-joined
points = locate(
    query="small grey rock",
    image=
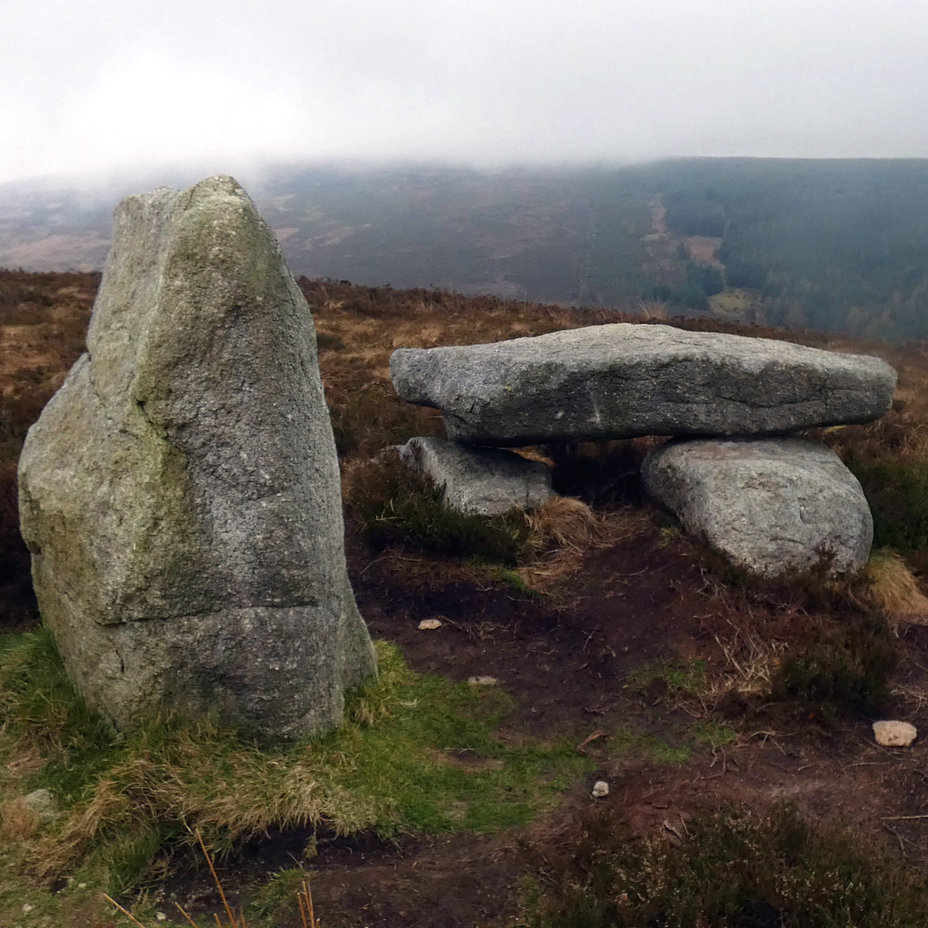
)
(600, 789)
(770, 506)
(481, 481)
(42, 803)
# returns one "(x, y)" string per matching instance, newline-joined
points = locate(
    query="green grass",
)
(640, 747)
(416, 754)
(682, 677)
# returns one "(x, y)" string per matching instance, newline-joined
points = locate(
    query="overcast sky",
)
(98, 84)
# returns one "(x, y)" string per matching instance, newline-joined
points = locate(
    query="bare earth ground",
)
(575, 659)
(566, 660)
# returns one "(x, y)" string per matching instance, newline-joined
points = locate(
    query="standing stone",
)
(180, 493)
(623, 380)
(770, 506)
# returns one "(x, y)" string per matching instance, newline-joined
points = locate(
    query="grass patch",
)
(395, 504)
(714, 733)
(416, 753)
(730, 870)
(275, 900)
(628, 743)
(678, 678)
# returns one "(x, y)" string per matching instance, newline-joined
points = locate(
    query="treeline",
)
(839, 245)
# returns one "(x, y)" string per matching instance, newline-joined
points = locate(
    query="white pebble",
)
(600, 789)
(894, 734)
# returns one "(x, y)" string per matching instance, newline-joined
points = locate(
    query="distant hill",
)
(840, 245)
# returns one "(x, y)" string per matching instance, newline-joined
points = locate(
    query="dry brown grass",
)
(17, 821)
(564, 531)
(892, 587)
(653, 310)
(565, 524)
(249, 796)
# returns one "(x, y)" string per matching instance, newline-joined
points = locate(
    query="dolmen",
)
(768, 502)
(180, 493)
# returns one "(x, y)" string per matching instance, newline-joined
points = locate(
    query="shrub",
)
(395, 504)
(838, 663)
(897, 490)
(729, 870)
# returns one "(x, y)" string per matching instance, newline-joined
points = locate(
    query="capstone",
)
(624, 380)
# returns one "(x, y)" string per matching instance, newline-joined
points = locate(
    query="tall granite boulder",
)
(769, 505)
(624, 380)
(180, 493)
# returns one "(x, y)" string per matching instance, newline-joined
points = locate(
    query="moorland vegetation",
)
(590, 640)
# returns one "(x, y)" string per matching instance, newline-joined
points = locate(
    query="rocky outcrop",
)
(180, 493)
(481, 481)
(624, 380)
(770, 506)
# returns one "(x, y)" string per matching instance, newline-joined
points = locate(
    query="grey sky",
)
(108, 83)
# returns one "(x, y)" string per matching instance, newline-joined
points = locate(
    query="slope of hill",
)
(603, 645)
(836, 245)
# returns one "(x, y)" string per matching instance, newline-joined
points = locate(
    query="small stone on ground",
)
(42, 803)
(427, 625)
(894, 734)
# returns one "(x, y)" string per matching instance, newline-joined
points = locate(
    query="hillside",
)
(829, 245)
(617, 650)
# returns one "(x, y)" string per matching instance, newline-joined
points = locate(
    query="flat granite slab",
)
(626, 379)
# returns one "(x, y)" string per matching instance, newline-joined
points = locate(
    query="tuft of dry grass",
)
(17, 821)
(893, 588)
(178, 781)
(564, 530)
(563, 523)
(653, 310)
